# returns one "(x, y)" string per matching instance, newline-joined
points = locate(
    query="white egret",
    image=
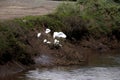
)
(47, 31)
(59, 35)
(38, 35)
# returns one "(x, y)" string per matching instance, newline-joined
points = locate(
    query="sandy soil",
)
(10, 9)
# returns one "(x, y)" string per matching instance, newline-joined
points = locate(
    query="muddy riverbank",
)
(47, 58)
(22, 48)
(94, 69)
(24, 41)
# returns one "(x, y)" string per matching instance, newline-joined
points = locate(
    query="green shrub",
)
(103, 15)
(97, 17)
(51, 22)
(68, 9)
(74, 26)
(11, 46)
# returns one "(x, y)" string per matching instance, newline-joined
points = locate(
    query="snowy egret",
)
(48, 42)
(45, 40)
(47, 31)
(59, 35)
(38, 35)
(56, 41)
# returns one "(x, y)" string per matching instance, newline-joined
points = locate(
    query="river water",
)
(99, 67)
(62, 73)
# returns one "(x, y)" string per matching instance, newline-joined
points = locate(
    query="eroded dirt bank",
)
(37, 53)
(20, 46)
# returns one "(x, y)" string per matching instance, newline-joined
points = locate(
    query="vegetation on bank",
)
(96, 19)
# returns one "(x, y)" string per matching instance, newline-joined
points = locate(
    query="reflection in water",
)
(96, 73)
(89, 72)
(80, 73)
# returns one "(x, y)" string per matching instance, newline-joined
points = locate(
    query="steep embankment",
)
(20, 47)
(86, 34)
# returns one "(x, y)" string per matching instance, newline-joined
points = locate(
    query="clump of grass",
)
(74, 26)
(103, 16)
(10, 43)
(68, 9)
(51, 22)
(95, 18)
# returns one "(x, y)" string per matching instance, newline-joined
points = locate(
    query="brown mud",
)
(83, 53)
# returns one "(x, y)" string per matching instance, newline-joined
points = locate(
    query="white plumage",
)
(48, 42)
(59, 35)
(56, 41)
(38, 35)
(47, 31)
(45, 40)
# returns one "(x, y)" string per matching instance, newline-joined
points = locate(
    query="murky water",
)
(86, 73)
(70, 73)
(99, 67)
(103, 67)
